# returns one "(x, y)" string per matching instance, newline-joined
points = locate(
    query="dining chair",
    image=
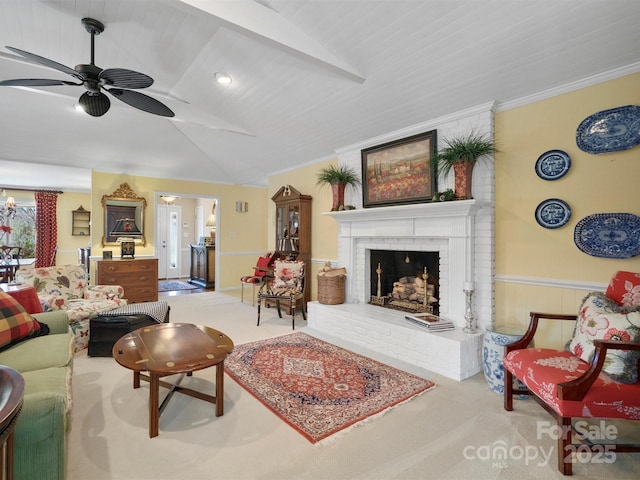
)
(10, 253)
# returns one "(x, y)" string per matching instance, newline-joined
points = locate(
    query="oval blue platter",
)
(609, 235)
(553, 213)
(553, 165)
(610, 130)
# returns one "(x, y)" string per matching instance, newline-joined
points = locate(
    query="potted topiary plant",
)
(338, 177)
(461, 153)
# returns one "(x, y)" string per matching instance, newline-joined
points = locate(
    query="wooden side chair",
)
(287, 286)
(595, 377)
(254, 280)
(7, 271)
(13, 253)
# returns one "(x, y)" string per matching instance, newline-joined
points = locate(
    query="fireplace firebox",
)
(405, 280)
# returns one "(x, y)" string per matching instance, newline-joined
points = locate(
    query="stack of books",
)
(430, 322)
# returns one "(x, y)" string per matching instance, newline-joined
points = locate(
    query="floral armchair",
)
(287, 285)
(596, 376)
(65, 287)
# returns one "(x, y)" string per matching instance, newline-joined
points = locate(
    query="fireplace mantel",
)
(449, 228)
(461, 232)
(458, 208)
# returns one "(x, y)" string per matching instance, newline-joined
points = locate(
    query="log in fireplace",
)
(398, 280)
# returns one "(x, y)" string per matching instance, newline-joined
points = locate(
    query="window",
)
(23, 230)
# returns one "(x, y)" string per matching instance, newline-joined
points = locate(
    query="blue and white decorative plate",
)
(553, 165)
(553, 213)
(610, 130)
(609, 235)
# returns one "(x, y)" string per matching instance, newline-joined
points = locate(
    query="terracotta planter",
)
(462, 180)
(337, 190)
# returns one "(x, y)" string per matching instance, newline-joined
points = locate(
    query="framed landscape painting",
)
(399, 172)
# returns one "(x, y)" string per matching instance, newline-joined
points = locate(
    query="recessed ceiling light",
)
(223, 78)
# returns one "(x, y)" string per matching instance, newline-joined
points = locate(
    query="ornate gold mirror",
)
(123, 216)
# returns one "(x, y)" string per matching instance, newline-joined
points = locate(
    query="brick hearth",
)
(453, 354)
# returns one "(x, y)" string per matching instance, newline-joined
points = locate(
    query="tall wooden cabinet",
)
(138, 277)
(203, 265)
(293, 229)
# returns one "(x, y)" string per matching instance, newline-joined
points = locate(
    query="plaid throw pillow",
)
(15, 324)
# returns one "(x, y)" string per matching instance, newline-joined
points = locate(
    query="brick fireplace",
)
(460, 232)
(457, 231)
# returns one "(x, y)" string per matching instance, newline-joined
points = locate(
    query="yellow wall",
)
(594, 184)
(524, 250)
(243, 235)
(68, 244)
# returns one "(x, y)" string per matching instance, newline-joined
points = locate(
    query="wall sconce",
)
(242, 207)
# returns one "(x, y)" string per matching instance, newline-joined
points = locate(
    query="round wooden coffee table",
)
(170, 349)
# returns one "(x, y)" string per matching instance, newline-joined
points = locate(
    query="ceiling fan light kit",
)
(115, 81)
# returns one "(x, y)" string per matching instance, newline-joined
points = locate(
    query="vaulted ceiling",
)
(309, 76)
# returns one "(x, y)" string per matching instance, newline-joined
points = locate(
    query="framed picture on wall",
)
(399, 172)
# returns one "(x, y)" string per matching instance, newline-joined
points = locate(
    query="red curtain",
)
(46, 228)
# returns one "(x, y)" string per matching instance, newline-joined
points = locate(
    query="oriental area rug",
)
(172, 285)
(316, 387)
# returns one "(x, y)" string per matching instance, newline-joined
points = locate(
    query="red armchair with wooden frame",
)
(254, 280)
(595, 377)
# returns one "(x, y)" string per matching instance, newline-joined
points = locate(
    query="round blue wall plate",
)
(610, 130)
(609, 235)
(553, 165)
(553, 213)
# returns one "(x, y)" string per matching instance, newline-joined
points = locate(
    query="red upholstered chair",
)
(258, 275)
(596, 376)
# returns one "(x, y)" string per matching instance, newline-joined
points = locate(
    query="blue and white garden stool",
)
(493, 353)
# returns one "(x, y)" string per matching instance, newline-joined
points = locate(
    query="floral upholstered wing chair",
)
(65, 287)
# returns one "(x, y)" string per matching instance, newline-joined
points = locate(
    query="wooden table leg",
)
(220, 389)
(154, 389)
(136, 379)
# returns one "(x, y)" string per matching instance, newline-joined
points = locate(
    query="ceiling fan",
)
(115, 81)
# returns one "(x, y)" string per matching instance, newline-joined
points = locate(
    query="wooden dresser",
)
(138, 277)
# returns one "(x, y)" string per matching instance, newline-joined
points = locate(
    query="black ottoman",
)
(105, 330)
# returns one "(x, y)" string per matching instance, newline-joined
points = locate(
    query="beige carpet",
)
(449, 433)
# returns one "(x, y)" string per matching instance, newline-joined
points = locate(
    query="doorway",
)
(168, 221)
(175, 235)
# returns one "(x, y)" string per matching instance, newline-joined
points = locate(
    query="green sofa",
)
(46, 363)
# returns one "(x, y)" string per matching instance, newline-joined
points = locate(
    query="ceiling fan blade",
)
(48, 63)
(35, 82)
(95, 105)
(123, 78)
(141, 101)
